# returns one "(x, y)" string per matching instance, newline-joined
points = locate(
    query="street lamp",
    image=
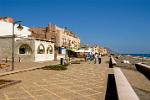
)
(13, 39)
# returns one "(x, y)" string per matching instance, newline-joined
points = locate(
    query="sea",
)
(139, 55)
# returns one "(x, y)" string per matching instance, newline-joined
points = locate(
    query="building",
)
(103, 51)
(60, 36)
(63, 38)
(6, 29)
(27, 48)
(84, 49)
(6, 19)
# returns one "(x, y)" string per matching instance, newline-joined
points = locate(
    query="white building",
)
(26, 48)
(6, 30)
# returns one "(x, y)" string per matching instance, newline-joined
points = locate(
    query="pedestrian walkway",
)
(80, 82)
(20, 66)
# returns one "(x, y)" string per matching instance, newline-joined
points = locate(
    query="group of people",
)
(90, 57)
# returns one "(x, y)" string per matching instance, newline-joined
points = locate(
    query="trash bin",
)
(62, 61)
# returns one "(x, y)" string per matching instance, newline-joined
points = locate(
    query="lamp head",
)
(20, 27)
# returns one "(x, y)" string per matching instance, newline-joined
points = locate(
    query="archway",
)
(41, 49)
(49, 49)
(25, 49)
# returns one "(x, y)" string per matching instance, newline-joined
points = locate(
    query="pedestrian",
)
(96, 58)
(85, 57)
(91, 57)
(88, 57)
(99, 58)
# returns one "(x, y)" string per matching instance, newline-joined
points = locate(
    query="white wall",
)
(6, 29)
(45, 56)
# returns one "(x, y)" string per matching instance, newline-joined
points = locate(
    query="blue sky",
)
(122, 25)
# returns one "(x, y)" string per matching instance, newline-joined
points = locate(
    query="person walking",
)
(85, 57)
(88, 57)
(95, 58)
(99, 58)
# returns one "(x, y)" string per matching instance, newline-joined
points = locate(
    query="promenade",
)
(80, 82)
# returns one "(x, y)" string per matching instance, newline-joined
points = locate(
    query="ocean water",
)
(141, 55)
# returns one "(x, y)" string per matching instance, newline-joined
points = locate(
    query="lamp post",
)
(13, 40)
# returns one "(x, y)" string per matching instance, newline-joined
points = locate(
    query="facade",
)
(60, 36)
(103, 51)
(95, 49)
(67, 39)
(6, 30)
(6, 19)
(35, 44)
(90, 49)
(27, 49)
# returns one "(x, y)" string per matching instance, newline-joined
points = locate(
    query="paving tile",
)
(79, 98)
(42, 83)
(57, 90)
(38, 92)
(79, 82)
(2, 97)
(90, 85)
(23, 98)
(13, 87)
(87, 92)
(48, 97)
(77, 88)
(70, 95)
(98, 96)
(50, 86)
(99, 89)
(59, 93)
(64, 84)
(16, 94)
(32, 88)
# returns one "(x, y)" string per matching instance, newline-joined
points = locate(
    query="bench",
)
(124, 89)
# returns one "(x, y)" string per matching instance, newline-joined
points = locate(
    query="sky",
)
(121, 25)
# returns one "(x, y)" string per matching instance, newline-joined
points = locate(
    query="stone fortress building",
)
(60, 36)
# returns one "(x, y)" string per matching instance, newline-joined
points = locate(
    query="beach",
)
(138, 81)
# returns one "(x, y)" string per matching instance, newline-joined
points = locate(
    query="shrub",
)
(55, 67)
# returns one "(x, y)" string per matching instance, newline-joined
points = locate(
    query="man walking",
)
(99, 58)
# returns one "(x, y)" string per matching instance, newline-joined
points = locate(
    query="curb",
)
(11, 82)
(19, 71)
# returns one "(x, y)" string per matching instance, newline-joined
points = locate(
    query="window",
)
(50, 50)
(41, 49)
(25, 49)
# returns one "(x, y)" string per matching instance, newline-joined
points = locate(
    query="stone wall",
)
(6, 50)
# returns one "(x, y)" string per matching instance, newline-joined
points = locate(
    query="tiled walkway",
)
(80, 82)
